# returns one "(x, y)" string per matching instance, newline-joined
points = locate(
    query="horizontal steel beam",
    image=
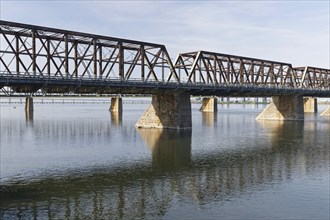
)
(31, 85)
(29, 27)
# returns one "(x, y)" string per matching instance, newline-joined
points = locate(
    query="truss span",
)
(202, 67)
(36, 58)
(34, 51)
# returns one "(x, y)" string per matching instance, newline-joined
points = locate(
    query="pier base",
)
(284, 108)
(29, 104)
(170, 111)
(310, 105)
(116, 104)
(326, 112)
(209, 105)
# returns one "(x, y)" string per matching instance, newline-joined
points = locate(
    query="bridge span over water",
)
(35, 58)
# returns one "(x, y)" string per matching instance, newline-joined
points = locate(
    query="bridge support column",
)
(289, 107)
(310, 105)
(326, 112)
(170, 111)
(116, 104)
(209, 105)
(29, 104)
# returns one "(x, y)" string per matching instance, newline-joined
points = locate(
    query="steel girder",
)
(28, 50)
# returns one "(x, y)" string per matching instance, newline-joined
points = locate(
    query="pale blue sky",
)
(290, 31)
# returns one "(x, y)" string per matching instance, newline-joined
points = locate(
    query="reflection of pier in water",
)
(116, 118)
(209, 118)
(146, 191)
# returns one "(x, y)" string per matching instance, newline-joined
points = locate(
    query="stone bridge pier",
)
(209, 105)
(310, 104)
(168, 111)
(29, 104)
(116, 105)
(285, 107)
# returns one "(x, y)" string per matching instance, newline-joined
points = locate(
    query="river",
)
(79, 161)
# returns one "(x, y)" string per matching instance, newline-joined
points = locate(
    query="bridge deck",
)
(90, 86)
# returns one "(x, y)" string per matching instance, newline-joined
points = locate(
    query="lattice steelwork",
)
(209, 68)
(312, 77)
(34, 58)
(33, 51)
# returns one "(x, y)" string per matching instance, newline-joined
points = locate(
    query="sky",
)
(291, 31)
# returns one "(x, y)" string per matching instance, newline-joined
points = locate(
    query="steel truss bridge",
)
(36, 58)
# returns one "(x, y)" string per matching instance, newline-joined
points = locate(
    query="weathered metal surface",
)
(36, 58)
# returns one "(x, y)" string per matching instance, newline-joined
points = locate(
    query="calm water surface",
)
(82, 162)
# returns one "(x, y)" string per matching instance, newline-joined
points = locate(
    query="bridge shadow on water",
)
(145, 190)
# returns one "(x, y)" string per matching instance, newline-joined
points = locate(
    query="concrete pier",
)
(209, 105)
(326, 112)
(286, 107)
(29, 104)
(116, 104)
(170, 111)
(310, 105)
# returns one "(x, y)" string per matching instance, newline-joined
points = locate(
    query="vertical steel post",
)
(241, 75)
(48, 57)
(75, 60)
(252, 72)
(34, 65)
(272, 74)
(66, 58)
(17, 55)
(163, 71)
(95, 58)
(207, 69)
(228, 71)
(142, 62)
(100, 62)
(215, 71)
(200, 68)
(262, 72)
(121, 61)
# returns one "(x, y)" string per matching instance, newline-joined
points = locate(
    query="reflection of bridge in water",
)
(144, 190)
